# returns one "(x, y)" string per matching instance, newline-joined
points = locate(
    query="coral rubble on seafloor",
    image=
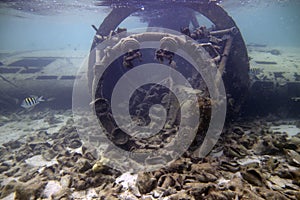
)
(252, 160)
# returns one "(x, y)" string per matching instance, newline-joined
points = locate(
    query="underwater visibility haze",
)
(140, 99)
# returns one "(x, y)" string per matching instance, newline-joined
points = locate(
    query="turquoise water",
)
(66, 26)
(65, 144)
(268, 23)
(272, 24)
(35, 32)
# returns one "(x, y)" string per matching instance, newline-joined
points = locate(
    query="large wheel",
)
(235, 76)
(179, 71)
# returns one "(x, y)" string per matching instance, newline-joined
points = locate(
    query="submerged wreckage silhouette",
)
(222, 41)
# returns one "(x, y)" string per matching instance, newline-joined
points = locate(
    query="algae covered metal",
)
(184, 66)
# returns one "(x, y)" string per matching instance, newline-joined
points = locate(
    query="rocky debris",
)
(74, 144)
(8, 188)
(146, 182)
(253, 176)
(52, 119)
(30, 190)
(100, 165)
(293, 157)
(13, 144)
(252, 162)
(275, 52)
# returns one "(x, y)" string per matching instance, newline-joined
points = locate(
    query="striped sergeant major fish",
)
(31, 101)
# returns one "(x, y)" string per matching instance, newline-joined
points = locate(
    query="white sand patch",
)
(78, 150)
(249, 160)
(14, 130)
(39, 161)
(26, 126)
(223, 181)
(127, 180)
(286, 64)
(128, 195)
(9, 197)
(52, 188)
(90, 194)
(78, 194)
(6, 180)
(291, 130)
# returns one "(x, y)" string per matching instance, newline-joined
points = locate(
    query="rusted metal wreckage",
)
(223, 43)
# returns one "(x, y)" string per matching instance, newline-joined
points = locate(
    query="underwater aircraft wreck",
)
(262, 83)
(198, 39)
(220, 45)
(223, 41)
(173, 34)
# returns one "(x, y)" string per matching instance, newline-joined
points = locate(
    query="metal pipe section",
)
(225, 54)
(232, 30)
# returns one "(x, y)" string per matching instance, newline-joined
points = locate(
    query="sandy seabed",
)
(42, 157)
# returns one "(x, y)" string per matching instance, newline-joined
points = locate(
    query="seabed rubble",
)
(252, 160)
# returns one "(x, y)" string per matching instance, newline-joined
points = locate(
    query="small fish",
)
(296, 99)
(31, 101)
